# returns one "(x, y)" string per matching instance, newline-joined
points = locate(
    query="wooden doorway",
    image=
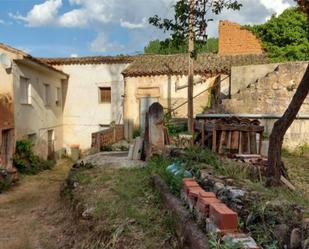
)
(7, 148)
(50, 145)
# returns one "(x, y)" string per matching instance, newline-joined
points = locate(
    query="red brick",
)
(193, 194)
(203, 203)
(233, 39)
(223, 217)
(189, 184)
(204, 194)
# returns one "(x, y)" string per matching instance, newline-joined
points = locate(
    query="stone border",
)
(188, 233)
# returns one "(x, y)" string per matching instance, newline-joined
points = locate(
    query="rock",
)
(295, 239)
(306, 244)
(88, 213)
(281, 233)
(236, 193)
(218, 186)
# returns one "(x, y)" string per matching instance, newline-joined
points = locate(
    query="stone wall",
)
(235, 40)
(272, 94)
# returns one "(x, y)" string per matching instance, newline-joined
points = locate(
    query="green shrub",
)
(174, 129)
(136, 133)
(5, 179)
(26, 162)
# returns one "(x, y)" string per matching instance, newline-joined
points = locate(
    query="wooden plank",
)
(235, 128)
(222, 142)
(287, 183)
(253, 147)
(214, 140)
(203, 134)
(234, 141)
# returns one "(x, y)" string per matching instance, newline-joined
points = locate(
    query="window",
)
(105, 95)
(46, 94)
(32, 137)
(58, 96)
(25, 91)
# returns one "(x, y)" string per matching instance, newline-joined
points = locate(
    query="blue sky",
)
(57, 28)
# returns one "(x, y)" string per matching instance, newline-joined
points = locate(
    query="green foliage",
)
(26, 162)
(106, 148)
(170, 46)
(284, 37)
(136, 133)
(174, 129)
(215, 242)
(5, 179)
(178, 28)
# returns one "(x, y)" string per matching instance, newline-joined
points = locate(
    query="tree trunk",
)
(280, 128)
(275, 164)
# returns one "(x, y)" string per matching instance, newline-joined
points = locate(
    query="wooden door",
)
(50, 145)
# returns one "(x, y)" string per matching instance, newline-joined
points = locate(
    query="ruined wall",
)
(272, 94)
(7, 141)
(235, 40)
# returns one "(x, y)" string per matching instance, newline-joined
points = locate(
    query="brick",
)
(193, 193)
(189, 184)
(204, 194)
(223, 217)
(203, 204)
(233, 39)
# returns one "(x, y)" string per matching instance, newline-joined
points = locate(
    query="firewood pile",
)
(230, 136)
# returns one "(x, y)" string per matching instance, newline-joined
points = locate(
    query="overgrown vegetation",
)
(276, 206)
(26, 162)
(121, 207)
(284, 37)
(172, 127)
(169, 46)
(5, 179)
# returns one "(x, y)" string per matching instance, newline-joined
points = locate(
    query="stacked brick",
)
(235, 40)
(107, 137)
(214, 215)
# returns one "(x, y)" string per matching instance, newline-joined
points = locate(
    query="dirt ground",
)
(31, 214)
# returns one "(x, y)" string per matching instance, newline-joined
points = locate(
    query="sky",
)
(64, 28)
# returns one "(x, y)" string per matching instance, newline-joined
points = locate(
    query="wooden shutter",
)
(105, 95)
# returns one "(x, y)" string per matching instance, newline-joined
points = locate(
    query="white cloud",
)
(2, 22)
(74, 18)
(277, 6)
(41, 14)
(102, 16)
(102, 45)
(74, 55)
(130, 25)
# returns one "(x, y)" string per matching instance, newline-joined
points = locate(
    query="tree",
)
(284, 37)
(190, 23)
(168, 47)
(281, 126)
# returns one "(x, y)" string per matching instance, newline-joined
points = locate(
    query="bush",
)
(174, 129)
(5, 179)
(26, 162)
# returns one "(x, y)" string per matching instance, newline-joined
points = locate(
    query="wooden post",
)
(191, 66)
(214, 140)
(203, 134)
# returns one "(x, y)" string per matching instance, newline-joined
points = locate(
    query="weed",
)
(136, 133)
(215, 242)
(174, 129)
(26, 161)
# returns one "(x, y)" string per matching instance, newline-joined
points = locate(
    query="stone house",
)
(31, 103)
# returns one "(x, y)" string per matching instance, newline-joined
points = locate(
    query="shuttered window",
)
(105, 95)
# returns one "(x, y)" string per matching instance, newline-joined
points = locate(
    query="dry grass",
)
(126, 211)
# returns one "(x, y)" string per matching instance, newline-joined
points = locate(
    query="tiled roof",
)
(205, 64)
(88, 60)
(29, 57)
